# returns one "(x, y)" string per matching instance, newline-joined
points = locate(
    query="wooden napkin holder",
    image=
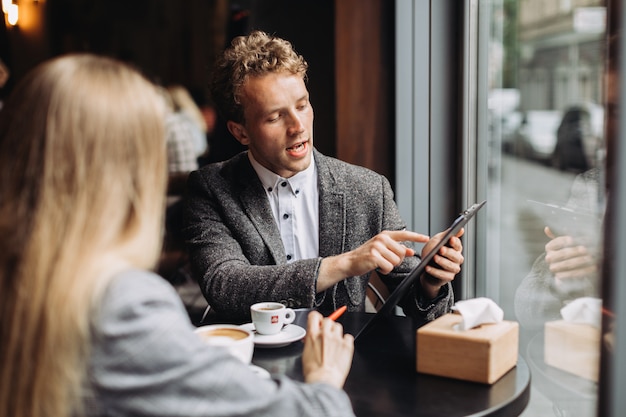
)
(573, 348)
(482, 354)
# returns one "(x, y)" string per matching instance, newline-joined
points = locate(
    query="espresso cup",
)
(269, 317)
(239, 342)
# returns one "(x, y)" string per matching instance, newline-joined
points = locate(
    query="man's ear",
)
(238, 131)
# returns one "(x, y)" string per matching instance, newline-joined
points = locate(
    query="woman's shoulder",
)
(131, 280)
(136, 293)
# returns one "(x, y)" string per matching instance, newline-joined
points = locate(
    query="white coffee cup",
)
(238, 341)
(270, 317)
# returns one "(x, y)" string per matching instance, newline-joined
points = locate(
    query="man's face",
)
(278, 127)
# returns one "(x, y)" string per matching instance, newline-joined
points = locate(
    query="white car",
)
(535, 137)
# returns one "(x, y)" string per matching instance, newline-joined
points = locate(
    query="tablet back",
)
(407, 283)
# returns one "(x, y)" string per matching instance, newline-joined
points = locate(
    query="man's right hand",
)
(382, 252)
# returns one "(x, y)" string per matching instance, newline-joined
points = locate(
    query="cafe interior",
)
(455, 102)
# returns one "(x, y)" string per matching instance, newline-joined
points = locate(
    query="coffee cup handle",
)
(290, 316)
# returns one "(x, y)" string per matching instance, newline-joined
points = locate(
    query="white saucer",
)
(259, 371)
(289, 334)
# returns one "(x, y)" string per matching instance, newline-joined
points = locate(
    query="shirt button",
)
(269, 189)
(297, 191)
(285, 216)
(283, 184)
(288, 257)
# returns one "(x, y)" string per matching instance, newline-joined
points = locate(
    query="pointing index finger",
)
(407, 235)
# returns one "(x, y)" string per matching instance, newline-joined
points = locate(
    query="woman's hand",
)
(328, 352)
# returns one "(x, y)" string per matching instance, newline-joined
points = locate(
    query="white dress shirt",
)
(295, 206)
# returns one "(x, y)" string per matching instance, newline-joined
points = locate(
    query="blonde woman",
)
(86, 329)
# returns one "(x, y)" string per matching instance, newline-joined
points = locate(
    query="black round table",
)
(383, 380)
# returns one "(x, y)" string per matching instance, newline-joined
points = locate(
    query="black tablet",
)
(565, 221)
(407, 282)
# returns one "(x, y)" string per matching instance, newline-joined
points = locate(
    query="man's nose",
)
(295, 124)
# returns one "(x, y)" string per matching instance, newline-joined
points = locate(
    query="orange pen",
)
(337, 313)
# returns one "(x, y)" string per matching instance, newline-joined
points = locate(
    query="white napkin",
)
(477, 311)
(587, 310)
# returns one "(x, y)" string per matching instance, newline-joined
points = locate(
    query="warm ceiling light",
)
(5, 5)
(12, 14)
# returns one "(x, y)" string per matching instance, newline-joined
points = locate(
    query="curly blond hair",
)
(253, 55)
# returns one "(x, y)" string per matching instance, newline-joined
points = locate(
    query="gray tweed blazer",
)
(238, 257)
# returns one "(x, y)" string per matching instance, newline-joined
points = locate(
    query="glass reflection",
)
(547, 120)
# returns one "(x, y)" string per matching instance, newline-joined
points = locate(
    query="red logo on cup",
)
(274, 319)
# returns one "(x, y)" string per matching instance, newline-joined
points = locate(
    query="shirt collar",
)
(270, 179)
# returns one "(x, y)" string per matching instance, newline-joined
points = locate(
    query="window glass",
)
(546, 189)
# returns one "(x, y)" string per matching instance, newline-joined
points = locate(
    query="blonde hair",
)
(182, 100)
(81, 197)
(254, 55)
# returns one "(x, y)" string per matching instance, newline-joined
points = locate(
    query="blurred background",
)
(175, 42)
(452, 100)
